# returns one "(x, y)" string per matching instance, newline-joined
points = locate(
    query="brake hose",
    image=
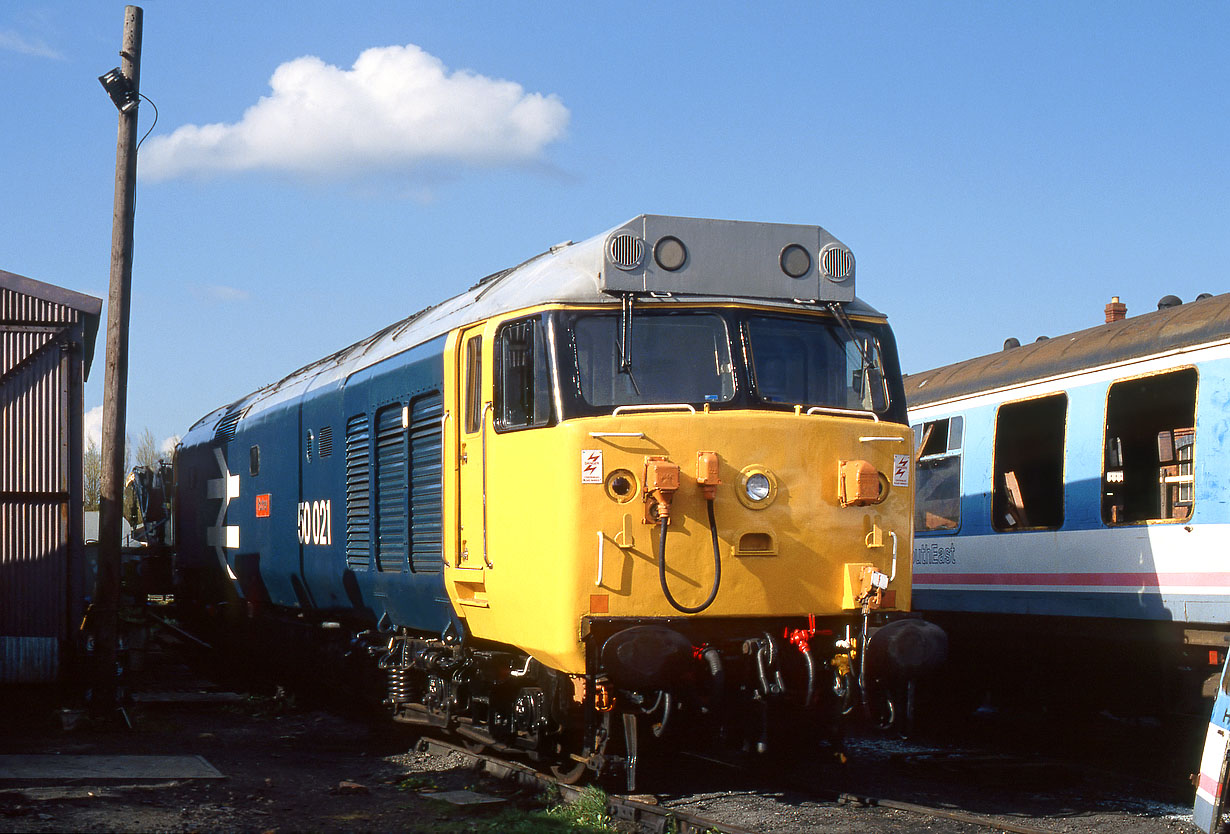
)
(717, 566)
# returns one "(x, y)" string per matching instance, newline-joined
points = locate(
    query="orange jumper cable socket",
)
(661, 482)
(707, 464)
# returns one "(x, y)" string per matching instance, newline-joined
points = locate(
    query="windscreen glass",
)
(816, 362)
(672, 358)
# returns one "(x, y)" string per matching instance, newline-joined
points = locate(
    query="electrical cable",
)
(151, 127)
(717, 566)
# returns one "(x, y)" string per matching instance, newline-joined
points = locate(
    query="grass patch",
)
(585, 816)
(588, 813)
(417, 783)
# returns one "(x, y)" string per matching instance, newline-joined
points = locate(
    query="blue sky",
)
(999, 169)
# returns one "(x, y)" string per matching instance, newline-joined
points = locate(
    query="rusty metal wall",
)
(40, 495)
(17, 308)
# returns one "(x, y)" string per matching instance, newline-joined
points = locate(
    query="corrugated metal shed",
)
(46, 345)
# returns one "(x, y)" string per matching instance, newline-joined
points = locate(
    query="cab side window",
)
(938, 505)
(522, 376)
(474, 384)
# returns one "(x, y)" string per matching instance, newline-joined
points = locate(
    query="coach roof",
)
(1172, 328)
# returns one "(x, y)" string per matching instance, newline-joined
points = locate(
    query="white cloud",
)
(397, 108)
(11, 41)
(92, 426)
(91, 430)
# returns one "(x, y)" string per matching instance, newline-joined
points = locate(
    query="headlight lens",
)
(757, 487)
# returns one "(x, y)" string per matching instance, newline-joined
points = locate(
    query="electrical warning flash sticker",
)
(591, 466)
(901, 470)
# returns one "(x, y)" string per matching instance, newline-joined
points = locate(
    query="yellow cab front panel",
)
(548, 526)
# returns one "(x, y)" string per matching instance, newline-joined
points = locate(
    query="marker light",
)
(670, 253)
(795, 260)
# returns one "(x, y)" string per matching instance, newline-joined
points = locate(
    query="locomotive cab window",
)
(1150, 448)
(474, 384)
(938, 483)
(523, 379)
(1029, 444)
(813, 362)
(674, 358)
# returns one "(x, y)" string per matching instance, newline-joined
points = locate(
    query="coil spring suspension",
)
(399, 686)
(396, 663)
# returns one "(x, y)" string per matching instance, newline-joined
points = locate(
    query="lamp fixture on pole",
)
(119, 87)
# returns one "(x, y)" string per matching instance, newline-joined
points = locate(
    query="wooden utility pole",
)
(105, 614)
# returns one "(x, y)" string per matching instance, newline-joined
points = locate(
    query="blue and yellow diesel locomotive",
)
(662, 474)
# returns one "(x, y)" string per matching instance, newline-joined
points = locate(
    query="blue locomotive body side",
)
(289, 467)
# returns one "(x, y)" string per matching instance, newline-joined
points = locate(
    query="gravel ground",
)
(286, 769)
(1029, 772)
(290, 767)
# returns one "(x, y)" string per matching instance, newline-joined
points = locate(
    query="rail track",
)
(648, 814)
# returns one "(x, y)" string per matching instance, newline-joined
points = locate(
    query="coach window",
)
(938, 491)
(1150, 448)
(474, 384)
(523, 380)
(1028, 471)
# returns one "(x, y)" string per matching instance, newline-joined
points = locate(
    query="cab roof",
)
(568, 273)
